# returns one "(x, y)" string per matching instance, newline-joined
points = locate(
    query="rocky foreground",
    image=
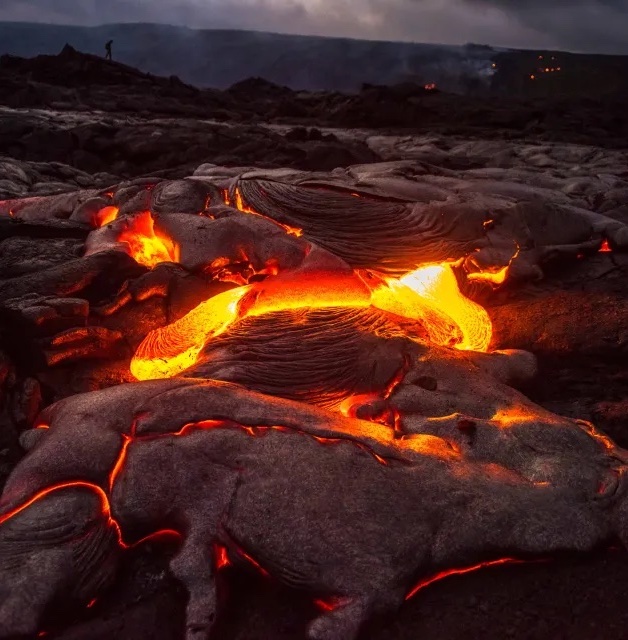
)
(566, 301)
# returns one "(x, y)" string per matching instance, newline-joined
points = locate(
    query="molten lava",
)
(147, 245)
(494, 277)
(168, 351)
(429, 295)
(105, 216)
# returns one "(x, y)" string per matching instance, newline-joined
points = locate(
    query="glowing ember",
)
(221, 558)
(105, 216)
(605, 248)
(146, 245)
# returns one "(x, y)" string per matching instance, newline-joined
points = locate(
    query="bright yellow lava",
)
(429, 295)
(435, 287)
(172, 349)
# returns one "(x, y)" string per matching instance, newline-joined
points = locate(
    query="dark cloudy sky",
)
(578, 25)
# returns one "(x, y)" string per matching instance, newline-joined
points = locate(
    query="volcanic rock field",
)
(287, 365)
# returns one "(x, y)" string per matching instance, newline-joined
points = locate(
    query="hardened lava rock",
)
(335, 506)
(320, 436)
(391, 217)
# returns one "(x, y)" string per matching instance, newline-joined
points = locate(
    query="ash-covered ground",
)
(75, 122)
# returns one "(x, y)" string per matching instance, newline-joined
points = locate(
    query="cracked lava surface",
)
(304, 381)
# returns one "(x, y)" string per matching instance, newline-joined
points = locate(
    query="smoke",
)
(572, 24)
(577, 25)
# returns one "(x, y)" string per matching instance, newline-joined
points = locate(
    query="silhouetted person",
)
(108, 50)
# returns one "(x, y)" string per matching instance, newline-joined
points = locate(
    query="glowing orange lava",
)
(105, 216)
(254, 562)
(605, 248)
(456, 572)
(331, 604)
(349, 407)
(494, 277)
(517, 416)
(429, 295)
(172, 349)
(104, 501)
(115, 472)
(146, 245)
(259, 431)
(105, 510)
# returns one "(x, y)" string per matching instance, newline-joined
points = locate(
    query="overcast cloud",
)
(577, 25)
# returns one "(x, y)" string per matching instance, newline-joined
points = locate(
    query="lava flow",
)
(429, 295)
(106, 216)
(148, 246)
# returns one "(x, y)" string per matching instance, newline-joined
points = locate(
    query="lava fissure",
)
(260, 431)
(426, 582)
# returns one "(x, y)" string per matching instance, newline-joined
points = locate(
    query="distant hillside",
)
(213, 58)
(219, 59)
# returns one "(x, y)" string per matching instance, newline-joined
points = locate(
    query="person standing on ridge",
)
(108, 50)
